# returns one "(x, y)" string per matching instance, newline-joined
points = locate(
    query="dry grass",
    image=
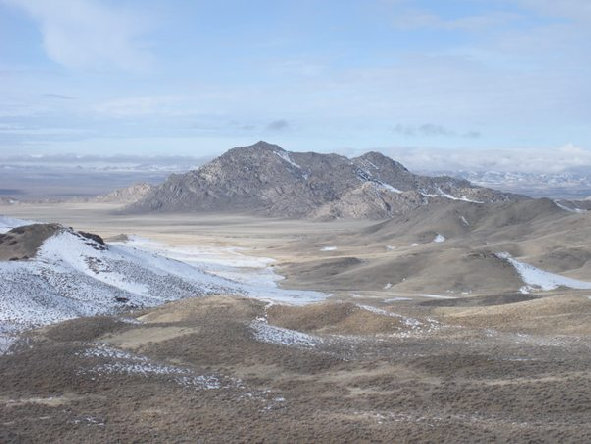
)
(456, 385)
(553, 315)
(334, 318)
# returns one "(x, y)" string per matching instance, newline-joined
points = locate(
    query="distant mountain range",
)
(267, 179)
(63, 177)
(574, 184)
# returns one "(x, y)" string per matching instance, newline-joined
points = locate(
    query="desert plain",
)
(414, 339)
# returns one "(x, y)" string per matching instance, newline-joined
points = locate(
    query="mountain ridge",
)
(267, 179)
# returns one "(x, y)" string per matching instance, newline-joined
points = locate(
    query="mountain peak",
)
(262, 145)
(376, 160)
(265, 178)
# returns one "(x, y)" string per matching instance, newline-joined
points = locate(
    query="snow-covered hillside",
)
(536, 279)
(570, 184)
(73, 276)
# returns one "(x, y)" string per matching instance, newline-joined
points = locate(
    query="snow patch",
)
(535, 278)
(67, 248)
(439, 238)
(570, 210)
(370, 163)
(389, 187)
(132, 321)
(441, 193)
(251, 274)
(270, 334)
(126, 363)
(8, 336)
(329, 248)
(437, 296)
(413, 324)
(285, 156)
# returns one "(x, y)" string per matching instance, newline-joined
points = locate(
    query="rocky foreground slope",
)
(267, 179)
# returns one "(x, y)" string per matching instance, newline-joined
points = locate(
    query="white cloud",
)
(141, 106)
(431, 130)
(539, 160)
(87, 34)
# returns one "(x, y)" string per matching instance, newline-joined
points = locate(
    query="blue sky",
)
(198, 77)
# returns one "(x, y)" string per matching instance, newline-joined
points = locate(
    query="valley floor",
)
(371, 363)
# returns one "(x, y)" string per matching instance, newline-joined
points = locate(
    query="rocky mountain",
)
(127, 195)
(269, 180)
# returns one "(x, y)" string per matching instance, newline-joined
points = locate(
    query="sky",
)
(438, 78)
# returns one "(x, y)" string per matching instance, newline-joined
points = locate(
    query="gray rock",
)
(268, 180)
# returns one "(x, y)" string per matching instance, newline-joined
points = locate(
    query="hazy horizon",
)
(562, 159)
(564, 173)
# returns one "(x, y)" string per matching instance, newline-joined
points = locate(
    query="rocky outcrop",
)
(23, 242)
